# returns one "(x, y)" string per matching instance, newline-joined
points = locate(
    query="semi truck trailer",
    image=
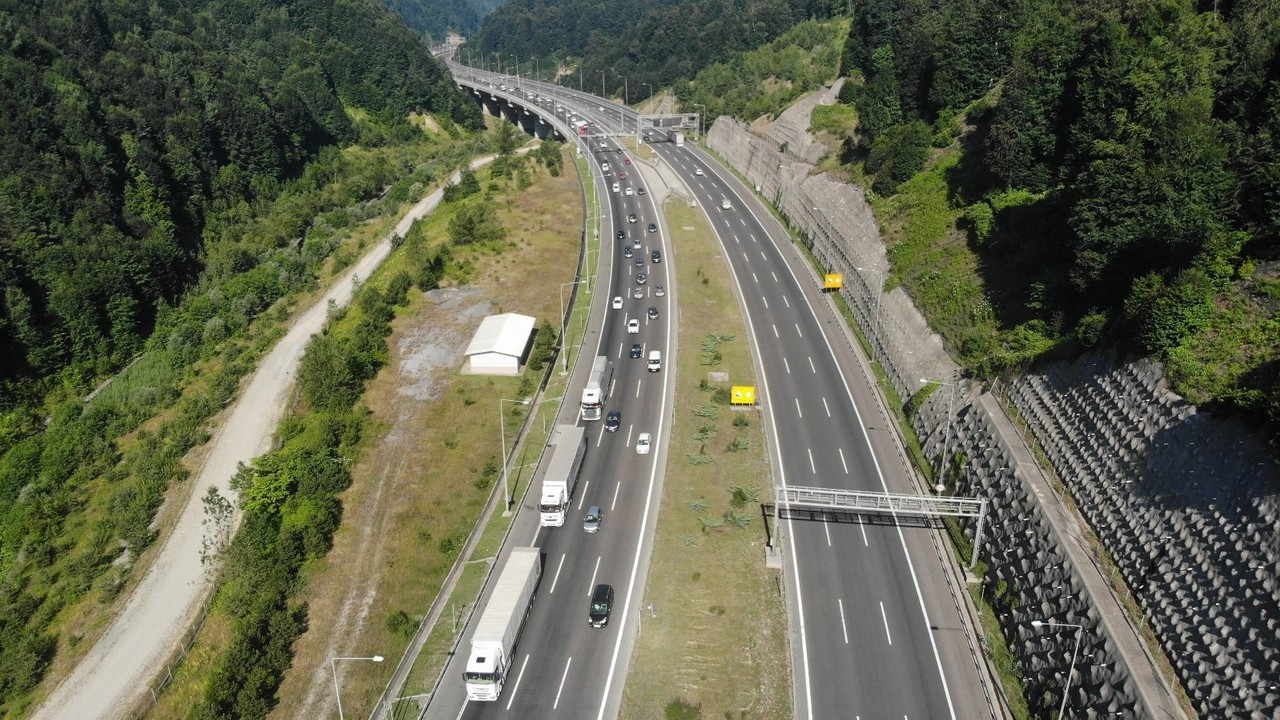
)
(561, 479)
(493, 644)
(597, 388)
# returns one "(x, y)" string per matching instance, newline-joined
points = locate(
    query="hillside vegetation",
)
(171, 173)
(648, 42)
(435, 19)
(769, 78)
(1109, 178)
(135, 133)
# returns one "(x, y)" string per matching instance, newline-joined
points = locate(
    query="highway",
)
(875, 630)
(563, 667)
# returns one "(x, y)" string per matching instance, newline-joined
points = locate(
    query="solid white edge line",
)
(644, 523)
(915, 581)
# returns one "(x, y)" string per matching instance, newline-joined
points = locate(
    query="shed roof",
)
(505, 334)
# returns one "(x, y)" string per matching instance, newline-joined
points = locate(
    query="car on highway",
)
(699, 172)
(660, 291)
(591, 522)
(641, 278)
(639, 191)
(622, 176)
(655, 361)
(601, 606)
(630, 218)
(628, 190)
(616, 187)
(653, 313)
(604, 167)
(633, 325)
(638, 293)
(627, 251)
(613, 420)
(724, 204)
(617, 303)
(622, 234)
(626, 161)
(655, 257)
(642, 443)
(652, 228)
(637, 350)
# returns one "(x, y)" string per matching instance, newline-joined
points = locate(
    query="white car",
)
(630, 191)
(633, 326)
(642, 443)
(698, 172)
(724, 204)
(617, 303)
(604, 167)
(616, 188)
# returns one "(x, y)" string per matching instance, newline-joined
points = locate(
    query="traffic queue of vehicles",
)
(498, 631)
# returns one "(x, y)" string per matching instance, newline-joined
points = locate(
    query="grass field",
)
(430, 458)
(715, 644)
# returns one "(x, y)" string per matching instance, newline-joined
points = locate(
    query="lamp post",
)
(333, 665)
(650, 93)
(502, 435)
(946, 435)
(1066, 687)
(564, 322)
(626, 93)
(603, 92)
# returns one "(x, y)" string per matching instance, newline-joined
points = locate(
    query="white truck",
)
(493, 644)
(597, 389)
(561, 478)
(679, 137)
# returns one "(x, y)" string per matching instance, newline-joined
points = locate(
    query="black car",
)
(653, 228)
(639, 262)
(612, 421)
(637, 350)
(622, 234)
(653, 314)
(631, 217)
(626, 250)
(601, 606)
(655, 257)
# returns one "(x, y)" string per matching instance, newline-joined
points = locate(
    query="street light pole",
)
(1066, 688)
(603, 92)
(564, 322)
(648, 96)
(502, 434)
(333, 665)
(946, 434)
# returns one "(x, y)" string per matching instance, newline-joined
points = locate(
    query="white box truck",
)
(561, 479)
(597, 389)
(679, 138)
(493, 644)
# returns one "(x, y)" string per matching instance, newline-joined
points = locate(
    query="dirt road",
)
(132, 653)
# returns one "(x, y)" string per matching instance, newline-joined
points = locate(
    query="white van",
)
(655, 360)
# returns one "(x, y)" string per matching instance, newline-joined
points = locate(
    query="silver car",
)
(591, 523)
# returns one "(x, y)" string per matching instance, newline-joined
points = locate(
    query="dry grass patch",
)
(717, 638)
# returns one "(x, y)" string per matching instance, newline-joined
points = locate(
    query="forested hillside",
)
(128, 127)
(648, 42)
(435, 18)
(1118, 182)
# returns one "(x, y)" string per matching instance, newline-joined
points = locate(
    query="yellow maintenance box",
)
(742, 395)
(833, 281)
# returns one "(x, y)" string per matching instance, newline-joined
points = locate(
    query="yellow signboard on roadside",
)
(833, 281)
(742, 395)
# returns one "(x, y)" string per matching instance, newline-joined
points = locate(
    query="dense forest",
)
(1121, 180)
(436, 18)
(647, 42)
(128, 126)
(170, 171)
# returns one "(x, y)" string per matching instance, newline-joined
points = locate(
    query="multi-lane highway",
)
(563, 667)
(876, 631)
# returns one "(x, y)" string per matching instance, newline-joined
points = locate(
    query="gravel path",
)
(114, 677)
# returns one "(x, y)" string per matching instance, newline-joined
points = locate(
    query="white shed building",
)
(499, 345)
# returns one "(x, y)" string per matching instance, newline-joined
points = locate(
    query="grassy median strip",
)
(713, 626)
